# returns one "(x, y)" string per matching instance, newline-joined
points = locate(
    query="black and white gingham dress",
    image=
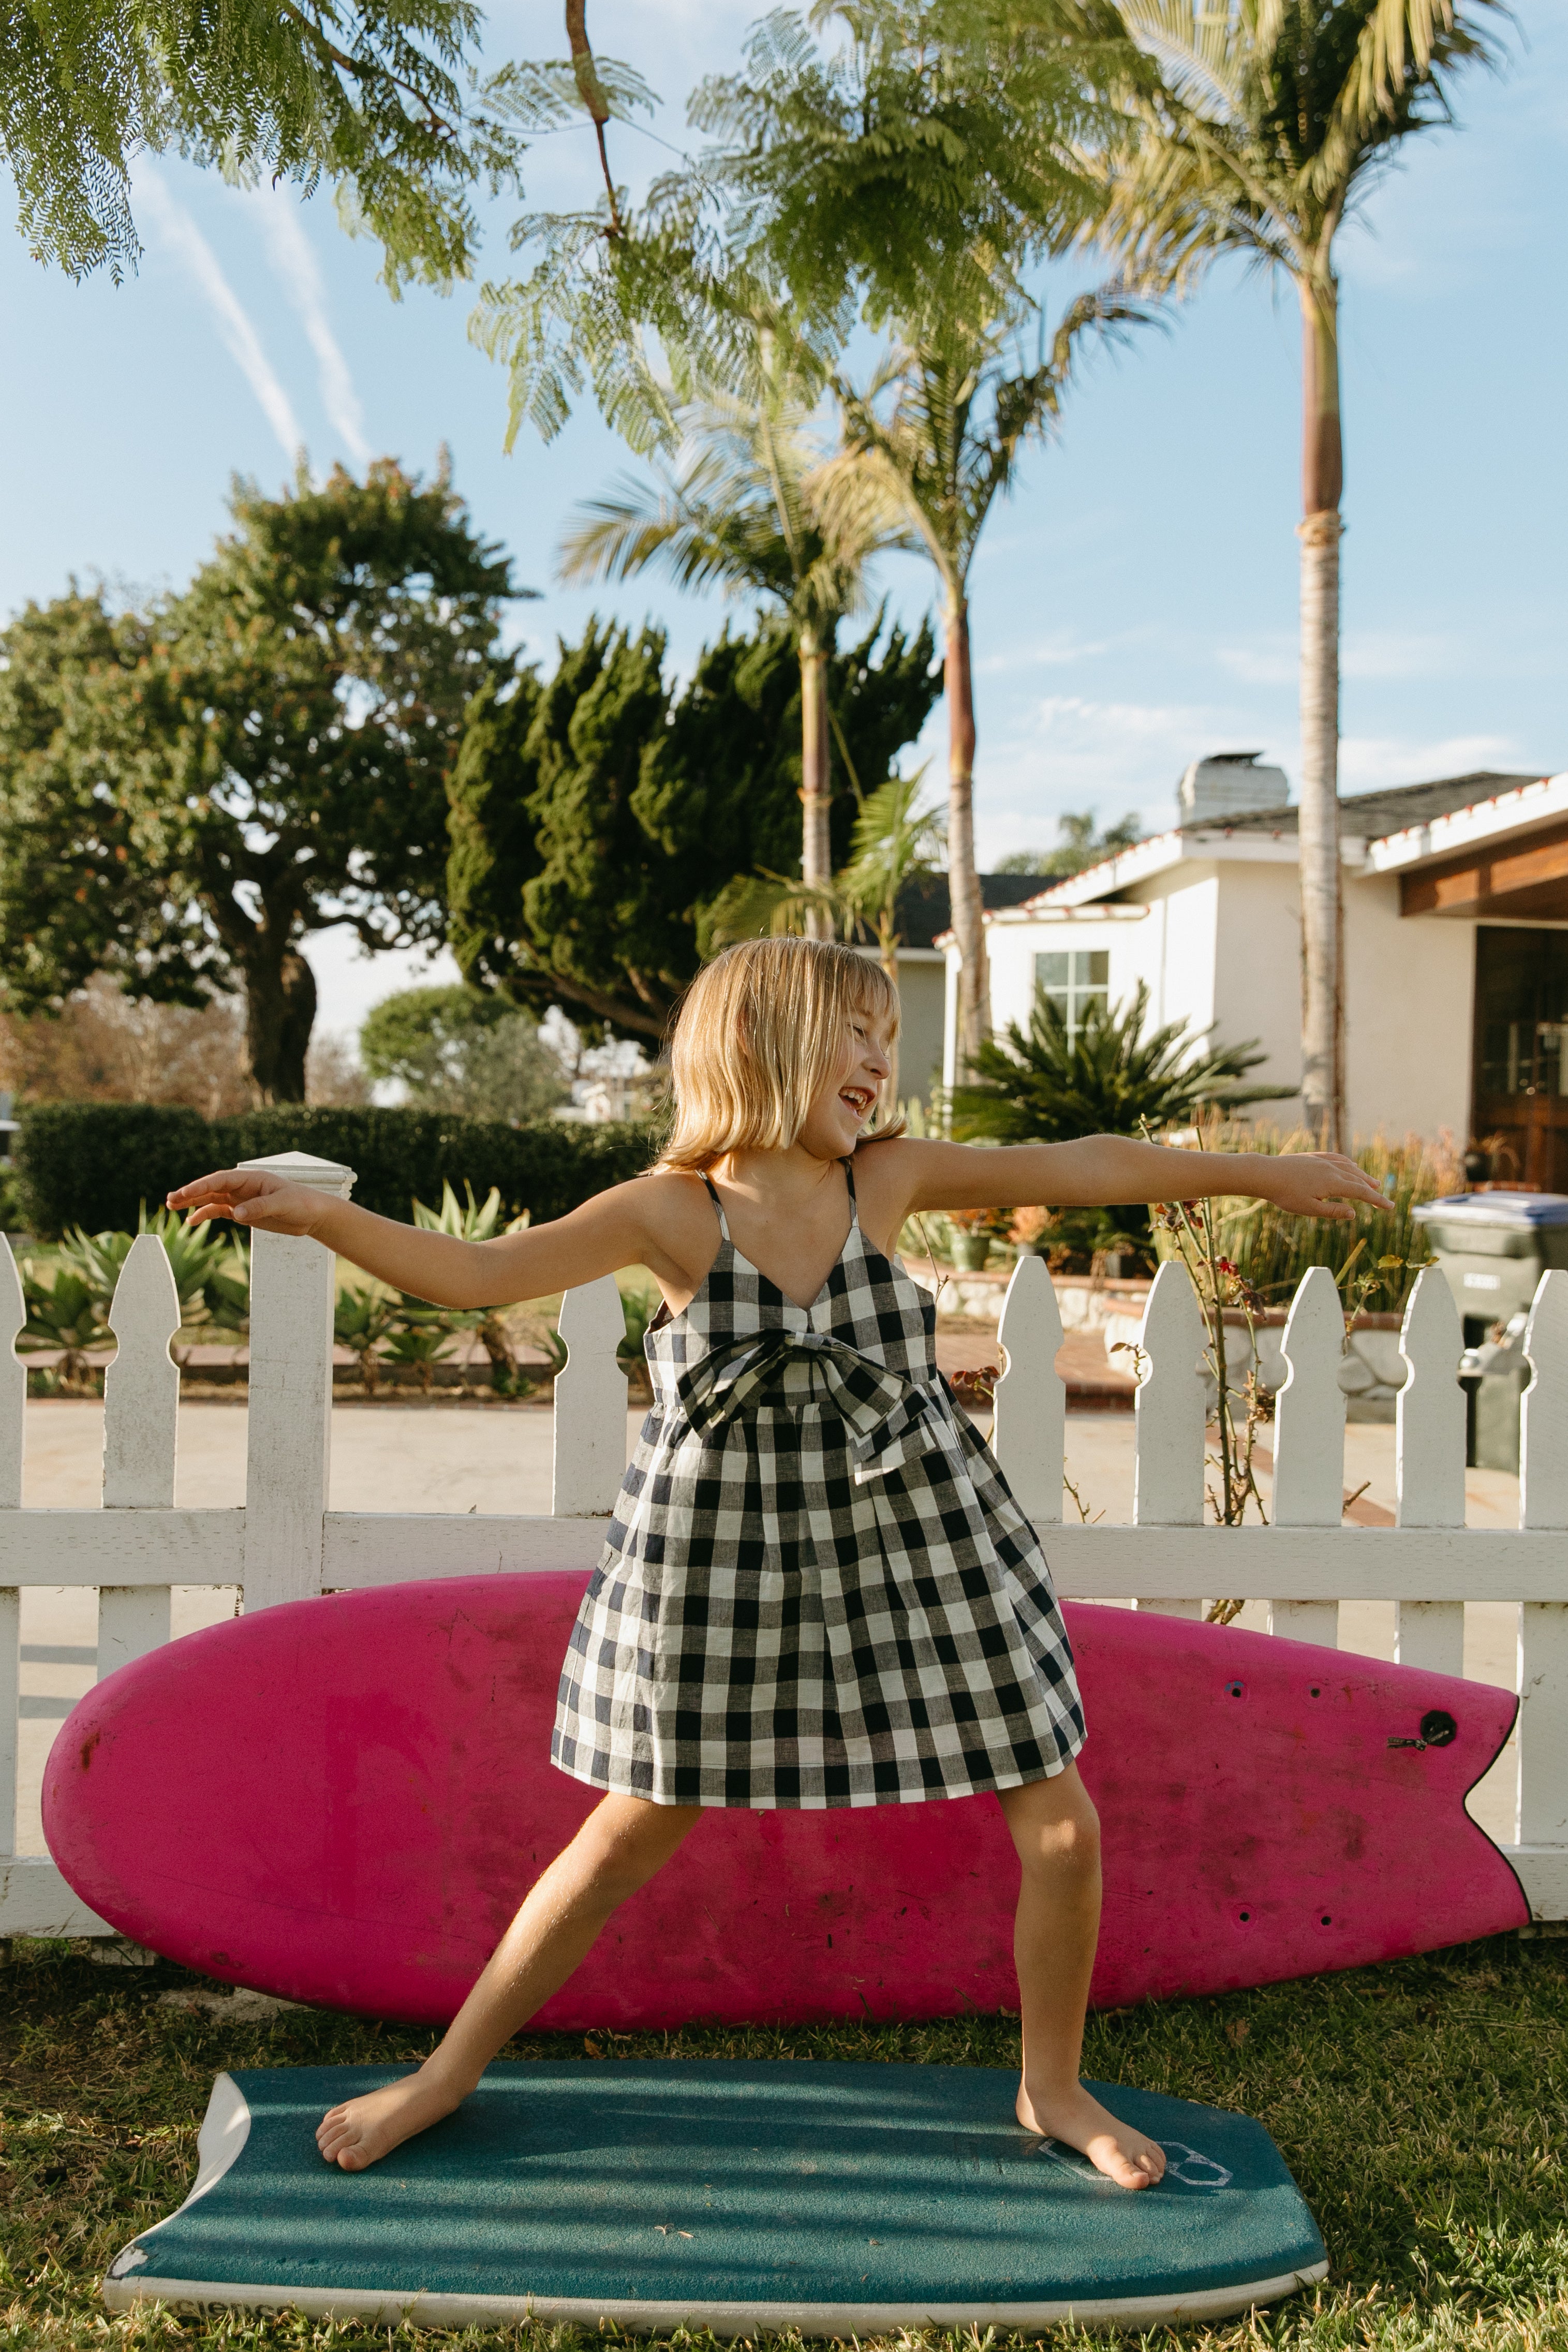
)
(817, 1589)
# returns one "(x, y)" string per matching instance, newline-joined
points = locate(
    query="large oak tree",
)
(187, 793)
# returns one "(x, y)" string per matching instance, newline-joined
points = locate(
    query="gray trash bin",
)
(1494, 1247)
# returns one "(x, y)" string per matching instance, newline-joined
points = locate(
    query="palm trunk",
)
(962, 880)
(815, 780)
(1322, 909)
(887, 950)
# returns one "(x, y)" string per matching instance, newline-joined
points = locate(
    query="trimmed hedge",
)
(93, 1164)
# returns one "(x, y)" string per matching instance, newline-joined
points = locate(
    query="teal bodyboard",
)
(833, 2198)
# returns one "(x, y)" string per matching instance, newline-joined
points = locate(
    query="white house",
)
(924, 914)
(1455, 947)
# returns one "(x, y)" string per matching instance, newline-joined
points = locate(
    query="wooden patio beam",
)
(1526, 879)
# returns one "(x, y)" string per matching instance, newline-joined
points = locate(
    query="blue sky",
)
(1135, 604)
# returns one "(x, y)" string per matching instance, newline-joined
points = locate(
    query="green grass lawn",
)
(1421, 2107)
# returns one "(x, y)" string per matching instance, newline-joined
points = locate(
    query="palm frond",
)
(744, 508)
(1257, 137)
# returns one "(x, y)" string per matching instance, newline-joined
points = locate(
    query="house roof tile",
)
(925, 910)
(1368, 816)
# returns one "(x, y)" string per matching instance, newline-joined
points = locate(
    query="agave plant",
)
(211, 1269)
(481, 1222)
(63, 1313)
(638, 1307)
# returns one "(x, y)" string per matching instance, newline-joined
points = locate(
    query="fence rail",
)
(284, 1544)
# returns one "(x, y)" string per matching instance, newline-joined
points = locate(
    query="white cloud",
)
(1049, 653)
(184, 238)
(1398, 654)
(1072, 716)
(294, 263)
(349, 982)
(1370, 654)
(1268, 662)
(1367, 761)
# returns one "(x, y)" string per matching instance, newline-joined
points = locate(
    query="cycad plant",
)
(1264, 127)
(740, 510)
(362, 1319)
(1108, 1073)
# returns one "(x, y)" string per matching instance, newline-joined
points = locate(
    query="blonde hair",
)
(761, 1030)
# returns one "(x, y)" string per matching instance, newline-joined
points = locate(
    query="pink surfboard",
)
(343, 1800)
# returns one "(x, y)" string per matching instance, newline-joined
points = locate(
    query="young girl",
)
(818, 1589)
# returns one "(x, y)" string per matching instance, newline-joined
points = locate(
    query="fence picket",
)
(1429, 1463)
(293, 1285)
(1309, 1442)
(141, 1386)
(1170, 1416)
(1542, 1809)
(590, 1402)
(10, 1711)
(13, 1380)
(1028, 1433)
(141, 1405)
(13, 1425)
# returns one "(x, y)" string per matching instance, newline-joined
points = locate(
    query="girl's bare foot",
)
(1123, 2155)
(362, 2130)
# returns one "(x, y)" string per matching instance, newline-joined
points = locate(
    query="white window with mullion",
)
(1074, 979)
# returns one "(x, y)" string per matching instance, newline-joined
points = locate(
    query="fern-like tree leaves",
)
(380, 101)
(927, 154)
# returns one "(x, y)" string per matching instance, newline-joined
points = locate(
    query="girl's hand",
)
(250, 1196)
(1318, 1184)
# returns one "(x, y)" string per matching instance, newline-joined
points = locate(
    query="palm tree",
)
(740, 510)
(933, 464)
(1265, 126)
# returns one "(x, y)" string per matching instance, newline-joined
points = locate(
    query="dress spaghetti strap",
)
(719, 1205)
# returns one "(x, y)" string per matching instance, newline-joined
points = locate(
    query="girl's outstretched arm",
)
(611, 1229)
(1100, 1171)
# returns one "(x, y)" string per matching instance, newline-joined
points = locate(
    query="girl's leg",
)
(618, 1848)
(1057, 1831)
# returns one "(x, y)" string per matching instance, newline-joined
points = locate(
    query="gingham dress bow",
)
(893, 1420)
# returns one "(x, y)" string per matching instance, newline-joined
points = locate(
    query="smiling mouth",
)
(858, 1099)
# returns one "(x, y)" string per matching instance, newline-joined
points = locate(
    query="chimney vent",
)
(1228, 785)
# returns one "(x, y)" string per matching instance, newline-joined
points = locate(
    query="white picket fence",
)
(286, 1545)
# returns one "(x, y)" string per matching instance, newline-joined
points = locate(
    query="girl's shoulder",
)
(885, 1175)
(664, 1198)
